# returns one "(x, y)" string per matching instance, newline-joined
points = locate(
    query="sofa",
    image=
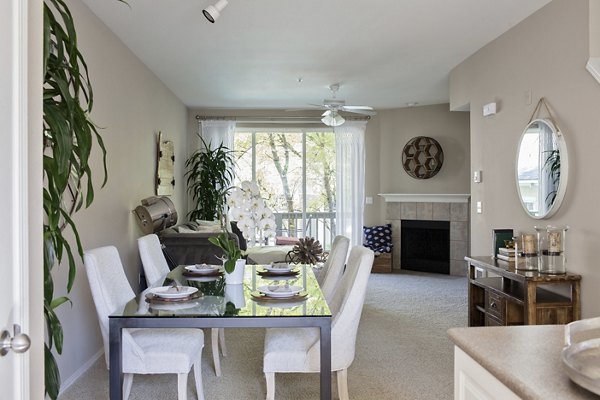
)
(188, 243)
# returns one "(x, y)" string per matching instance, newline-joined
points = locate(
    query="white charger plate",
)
(184, 291)
(294, 290)
(203, 268)
(279, 267)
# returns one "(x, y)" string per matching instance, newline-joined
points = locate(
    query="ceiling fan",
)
(333, 106)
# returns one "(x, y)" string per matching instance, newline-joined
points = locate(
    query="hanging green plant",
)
(69, 136)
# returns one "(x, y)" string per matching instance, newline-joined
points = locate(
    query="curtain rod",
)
(290, 120)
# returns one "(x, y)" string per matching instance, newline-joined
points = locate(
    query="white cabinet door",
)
(473, 382)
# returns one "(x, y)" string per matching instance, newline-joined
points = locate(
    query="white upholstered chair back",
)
(334, 266)
(346, 307)
(153, 259)
(110, 290)
(298, 350)
(155, 268)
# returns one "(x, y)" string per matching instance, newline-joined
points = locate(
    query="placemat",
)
(154, 299)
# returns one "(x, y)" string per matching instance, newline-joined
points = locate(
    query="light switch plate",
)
(477, 176)
(479, 207)
(489, 109)
(368, 200)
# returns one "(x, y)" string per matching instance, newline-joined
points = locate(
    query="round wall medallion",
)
(422, 157)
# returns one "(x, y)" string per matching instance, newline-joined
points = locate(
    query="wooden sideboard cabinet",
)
(499, 295)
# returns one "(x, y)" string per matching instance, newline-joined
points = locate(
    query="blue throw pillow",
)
(378, 238)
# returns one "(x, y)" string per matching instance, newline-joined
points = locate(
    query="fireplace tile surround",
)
(453, 208)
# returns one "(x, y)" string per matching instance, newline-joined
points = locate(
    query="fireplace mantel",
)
(425, 198)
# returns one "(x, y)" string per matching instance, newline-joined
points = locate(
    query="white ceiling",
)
(385, 53)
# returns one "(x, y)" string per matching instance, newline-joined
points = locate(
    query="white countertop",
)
(526, 359)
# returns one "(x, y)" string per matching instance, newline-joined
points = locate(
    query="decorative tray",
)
(581, 354)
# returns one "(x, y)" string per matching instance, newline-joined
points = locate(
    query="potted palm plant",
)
(209, 176)
(232, 262)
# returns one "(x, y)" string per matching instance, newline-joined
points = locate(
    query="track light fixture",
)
(212, 12)
(332, 118)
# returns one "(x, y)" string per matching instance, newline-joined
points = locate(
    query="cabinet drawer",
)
(491, 321)
(494, 304)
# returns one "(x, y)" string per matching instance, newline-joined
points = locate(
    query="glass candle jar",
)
(551, 244)
(526, 251)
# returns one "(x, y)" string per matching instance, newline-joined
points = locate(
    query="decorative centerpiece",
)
(254, 219)
(551, 245)
(233, 263)
(526, 252)
(307, 251)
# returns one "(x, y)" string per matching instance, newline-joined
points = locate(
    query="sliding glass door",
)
(295, 170)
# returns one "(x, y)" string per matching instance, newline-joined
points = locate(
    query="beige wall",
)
(450, 129)
(594, 28)
(132, 105)
(545, 54)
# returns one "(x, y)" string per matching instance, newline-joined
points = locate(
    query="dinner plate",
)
(278, 291)
(204, 269)
(167, 293)
(283, 268)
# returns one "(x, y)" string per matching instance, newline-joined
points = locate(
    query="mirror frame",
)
(564, 168)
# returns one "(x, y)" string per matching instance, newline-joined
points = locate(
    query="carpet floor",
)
(402, 351)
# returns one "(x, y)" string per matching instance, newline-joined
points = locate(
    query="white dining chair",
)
(156, 268)
(145, 351)
(334, 266)
(298, 350)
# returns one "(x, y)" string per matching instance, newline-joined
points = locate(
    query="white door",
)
(21, 297)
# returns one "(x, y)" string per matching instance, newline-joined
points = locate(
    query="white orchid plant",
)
(246, 206)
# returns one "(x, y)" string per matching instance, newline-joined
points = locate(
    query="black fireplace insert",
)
(425, 246)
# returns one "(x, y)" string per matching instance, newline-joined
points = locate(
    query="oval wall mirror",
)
(542, 169)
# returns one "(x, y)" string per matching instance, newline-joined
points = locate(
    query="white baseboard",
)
(80, 371)
(593, 65)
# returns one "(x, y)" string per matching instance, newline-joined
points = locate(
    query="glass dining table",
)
(228, 306)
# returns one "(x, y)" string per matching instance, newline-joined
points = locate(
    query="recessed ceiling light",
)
(412, 104)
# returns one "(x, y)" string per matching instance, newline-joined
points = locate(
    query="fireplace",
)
(425, 246)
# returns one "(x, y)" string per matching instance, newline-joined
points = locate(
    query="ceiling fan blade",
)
(301, 109)
(328, 112)
(362, 112)
(348, 108)
(321, 106)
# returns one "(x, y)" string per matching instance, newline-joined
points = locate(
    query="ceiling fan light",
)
(212, 13)
(332, 119)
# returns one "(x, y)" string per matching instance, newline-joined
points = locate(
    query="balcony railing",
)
(320, 225)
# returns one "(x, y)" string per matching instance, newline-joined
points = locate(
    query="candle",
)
(554, 244)
(529, 244)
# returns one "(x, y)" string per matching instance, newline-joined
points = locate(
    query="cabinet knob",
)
(493, 305)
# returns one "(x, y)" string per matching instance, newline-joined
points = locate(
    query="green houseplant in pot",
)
(69, 136)
(233, 262)
(209, 174)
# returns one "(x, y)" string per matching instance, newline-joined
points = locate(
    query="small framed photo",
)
(498, 238)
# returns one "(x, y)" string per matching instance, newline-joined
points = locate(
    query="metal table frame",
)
(117, 323)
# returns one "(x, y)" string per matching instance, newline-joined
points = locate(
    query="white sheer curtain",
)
(350, 179)
(216, 132)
